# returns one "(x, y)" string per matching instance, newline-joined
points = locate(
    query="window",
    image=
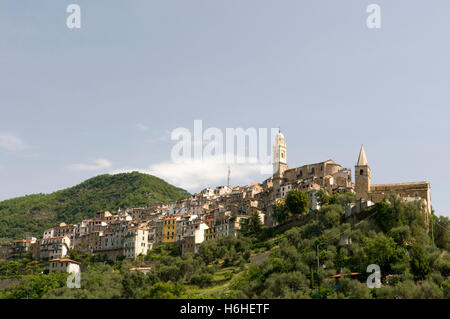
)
(361, 171)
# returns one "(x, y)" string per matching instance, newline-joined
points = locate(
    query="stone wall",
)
(413, 190)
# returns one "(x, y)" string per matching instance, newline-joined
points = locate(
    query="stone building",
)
(366, 191)
(328, 174)
(135, 242)
(169, 230)
(64, 265)
(54, 247)
(212, 213)
(195, 236)
(308, 178)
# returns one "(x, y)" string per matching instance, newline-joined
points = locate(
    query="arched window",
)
(361, 171)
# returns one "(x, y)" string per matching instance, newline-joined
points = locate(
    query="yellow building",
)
(169, 230)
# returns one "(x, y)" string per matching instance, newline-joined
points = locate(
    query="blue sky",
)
(104, 98)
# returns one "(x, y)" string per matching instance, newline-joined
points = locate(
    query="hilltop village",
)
(212, 213)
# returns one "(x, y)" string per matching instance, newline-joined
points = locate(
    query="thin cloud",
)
(12, 143)
(96, 165)
(142, 127)
(165, 136)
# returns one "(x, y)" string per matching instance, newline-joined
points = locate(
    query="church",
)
(327, 175)
(365, 191)
(334, 178)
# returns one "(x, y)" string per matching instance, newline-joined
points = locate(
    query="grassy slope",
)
(30, 215)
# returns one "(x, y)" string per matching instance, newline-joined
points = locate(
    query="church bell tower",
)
(362, 176)
(279, 156)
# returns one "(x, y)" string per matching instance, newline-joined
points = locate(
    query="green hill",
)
(31, 214)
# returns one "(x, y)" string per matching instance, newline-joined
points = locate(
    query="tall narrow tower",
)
(279, 163)
(279, 156)
(362, 176)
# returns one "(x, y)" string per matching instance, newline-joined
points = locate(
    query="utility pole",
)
(318, 263)
(432, 230)
(432, 220)
(318, 266)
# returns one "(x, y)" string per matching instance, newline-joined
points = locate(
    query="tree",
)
(288, 285)
(162, 290)
(383, 251)
(280, 211)
(330, 215)
(322, 197)
(400, 234)
(34, 286)
(297, 202)
(420, 266)
(441, 227)
(352, 288)
(254, 224)
(202, 279)
(385, 216)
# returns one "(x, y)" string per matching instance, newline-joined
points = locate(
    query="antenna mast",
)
(228, 179)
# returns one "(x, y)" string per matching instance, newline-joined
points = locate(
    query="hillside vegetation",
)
(30, 215)
(276, 262)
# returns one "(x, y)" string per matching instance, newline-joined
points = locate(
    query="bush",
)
(352, 288)
(202, 279)
(297, 202)
(162, 290)
(35, 286)
(285, 285)
(419, 264)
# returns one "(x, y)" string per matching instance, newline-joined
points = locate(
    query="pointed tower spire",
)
(362, 177)
(362, 160)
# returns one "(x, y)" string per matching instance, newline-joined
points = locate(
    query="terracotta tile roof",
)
(140, 268)
(341, 275)
(141, 228)
(65, 260)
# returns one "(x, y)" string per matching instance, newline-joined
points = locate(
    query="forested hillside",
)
(298, 259)
(30, 215)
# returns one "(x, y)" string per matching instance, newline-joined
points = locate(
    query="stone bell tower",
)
(362, 176)
(279, 162)
(279, 156)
